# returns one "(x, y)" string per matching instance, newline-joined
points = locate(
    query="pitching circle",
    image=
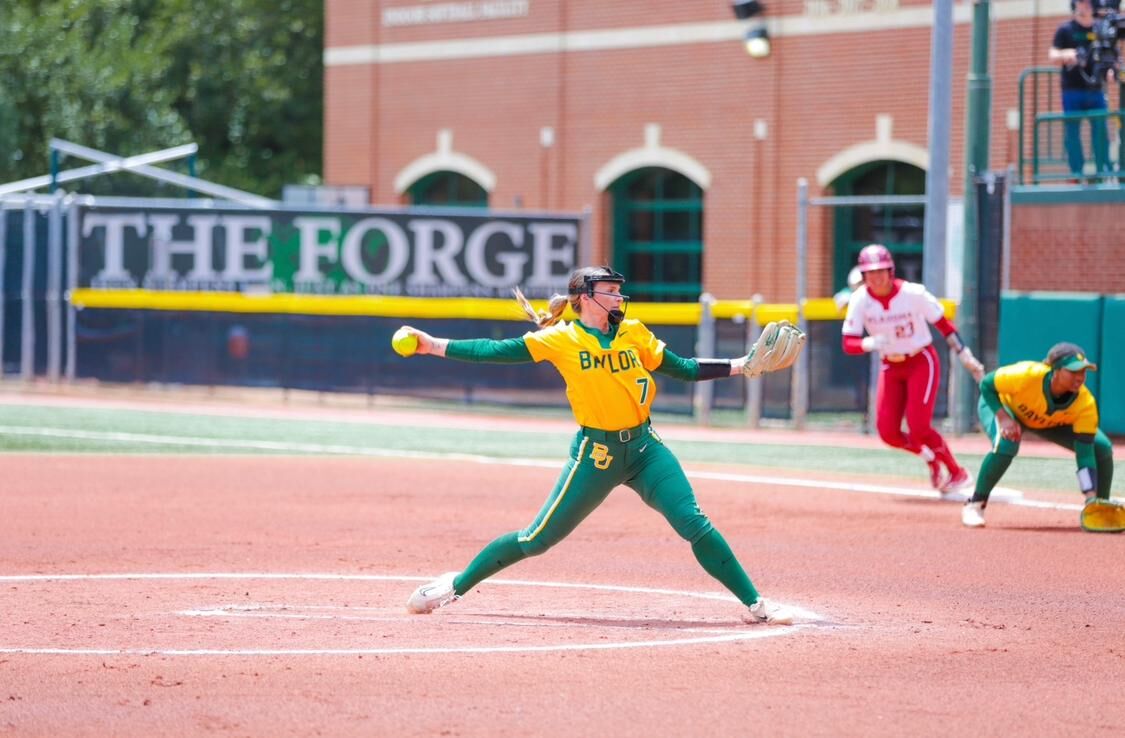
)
(448, 622)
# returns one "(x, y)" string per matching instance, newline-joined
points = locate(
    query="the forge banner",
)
(425, 253)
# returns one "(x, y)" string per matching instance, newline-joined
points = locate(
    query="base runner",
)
(607, 363)
(897, 315)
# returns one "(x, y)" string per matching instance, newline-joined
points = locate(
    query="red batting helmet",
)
(875, 256)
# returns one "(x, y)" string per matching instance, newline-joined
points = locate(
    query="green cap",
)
(1069, 356)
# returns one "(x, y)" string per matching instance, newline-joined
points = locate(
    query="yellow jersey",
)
(1024, 390)
(608, 381)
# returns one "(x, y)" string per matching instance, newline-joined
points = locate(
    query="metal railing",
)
(1050, 167)
(1042, 133)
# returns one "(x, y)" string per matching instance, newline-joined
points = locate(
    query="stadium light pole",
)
(937, 175)
(977, 117)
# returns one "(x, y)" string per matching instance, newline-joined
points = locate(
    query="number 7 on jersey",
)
(643, 382)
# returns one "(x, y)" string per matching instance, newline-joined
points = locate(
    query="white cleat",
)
(430, 597)
(770, 613)
(959, 487)
(972, 515)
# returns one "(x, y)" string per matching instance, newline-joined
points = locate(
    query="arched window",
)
(658, 234)
(450, 189)
(898, 227)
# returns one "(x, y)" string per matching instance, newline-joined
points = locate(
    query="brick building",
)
(684, 149)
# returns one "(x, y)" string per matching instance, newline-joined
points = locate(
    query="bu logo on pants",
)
(601, 456)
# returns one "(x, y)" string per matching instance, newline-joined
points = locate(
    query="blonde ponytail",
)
(542, 318)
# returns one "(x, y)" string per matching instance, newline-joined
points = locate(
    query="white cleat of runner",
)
(959, 487)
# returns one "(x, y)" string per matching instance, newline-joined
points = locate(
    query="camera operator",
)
(1082, 85)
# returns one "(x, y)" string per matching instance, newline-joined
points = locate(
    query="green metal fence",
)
(1042, 126)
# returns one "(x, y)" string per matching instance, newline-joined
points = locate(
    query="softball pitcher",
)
(607, 363)
(1048, 397)
(896, 315)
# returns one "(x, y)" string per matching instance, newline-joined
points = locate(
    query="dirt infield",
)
(146, 596)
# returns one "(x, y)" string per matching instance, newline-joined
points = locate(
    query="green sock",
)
(1105, 475)
(991, 469)
(501, 553)
(718, 560)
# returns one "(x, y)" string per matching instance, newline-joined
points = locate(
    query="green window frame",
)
(448, 189)
(658, 234)
(898, 227)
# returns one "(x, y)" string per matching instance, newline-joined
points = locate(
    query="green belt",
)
(625, 435)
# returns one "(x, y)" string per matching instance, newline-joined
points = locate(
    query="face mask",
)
(617, 314)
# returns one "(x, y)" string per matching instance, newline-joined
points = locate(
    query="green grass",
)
(190, 433)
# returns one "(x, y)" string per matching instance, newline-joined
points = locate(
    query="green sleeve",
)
(1087, 465)
(1084, 452)
(677, 367)
(486, 350)
(988, 392)
(692, 370)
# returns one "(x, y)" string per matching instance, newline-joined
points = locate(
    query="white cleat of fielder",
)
(972, 515)
(430, 597)
(770, 613)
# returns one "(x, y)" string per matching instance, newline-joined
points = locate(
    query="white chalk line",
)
(760, 632)
(1000, 494)
(737, 633)
(226, 611)
(563, 620)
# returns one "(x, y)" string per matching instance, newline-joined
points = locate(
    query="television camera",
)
(1102, 55)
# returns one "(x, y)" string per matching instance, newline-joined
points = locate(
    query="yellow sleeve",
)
(1087, 422)
(649, 347)
(1010, 379)
(540, 344)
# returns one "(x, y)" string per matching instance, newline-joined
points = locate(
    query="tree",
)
(241, 78)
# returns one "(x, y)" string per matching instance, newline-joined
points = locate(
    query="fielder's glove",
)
(777, 348)
(1103, 516)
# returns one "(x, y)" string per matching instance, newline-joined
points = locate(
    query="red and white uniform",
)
(911, 371)
(903, 318)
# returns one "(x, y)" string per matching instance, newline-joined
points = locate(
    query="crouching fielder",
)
(1051, 399)
(896, 315)
(607, 363)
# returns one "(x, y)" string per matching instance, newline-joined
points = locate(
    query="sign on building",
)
(400, 252)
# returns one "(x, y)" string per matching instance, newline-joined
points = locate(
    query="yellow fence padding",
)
(465, 308)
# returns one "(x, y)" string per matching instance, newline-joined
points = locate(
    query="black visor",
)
(603, 274)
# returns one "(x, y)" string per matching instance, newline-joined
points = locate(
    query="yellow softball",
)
(404, 343)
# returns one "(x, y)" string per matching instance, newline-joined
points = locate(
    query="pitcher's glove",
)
(1103, 516)
(777, 348)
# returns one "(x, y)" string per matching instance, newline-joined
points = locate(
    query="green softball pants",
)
(598, 462)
